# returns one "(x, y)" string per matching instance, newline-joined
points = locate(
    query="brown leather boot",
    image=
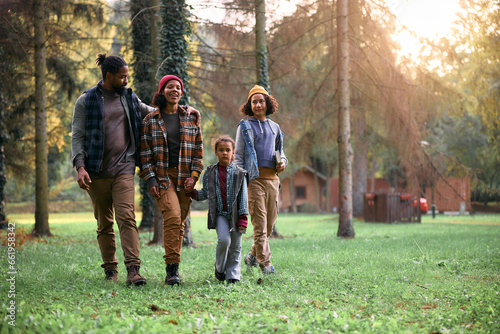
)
(133, 276)
(111, 276)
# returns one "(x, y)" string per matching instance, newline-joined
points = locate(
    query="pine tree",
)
(37, 39)
(143, 73)
(346, 229)
(175, 31)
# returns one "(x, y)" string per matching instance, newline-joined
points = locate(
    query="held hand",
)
(280, 167)
(84, 180)
(196, 114)
(154, 191)
(189, 184)
(242, 230)
(193, 194)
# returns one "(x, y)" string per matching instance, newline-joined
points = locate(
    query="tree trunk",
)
(148, 205)
(188, 236)
(359, 165)
(293, 198)
(261, 59)
(3, 179)
(141, 45)
(42, 182)
(328, 190)
(157, 227)
(155, 55)
(155, 47)
(346, 229)
(260, 43)
(317, 191)
(360, 143)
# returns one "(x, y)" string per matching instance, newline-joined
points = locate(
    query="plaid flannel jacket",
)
(94, 120)
(154, 149)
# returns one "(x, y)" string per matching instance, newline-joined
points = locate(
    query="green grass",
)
(400, 278)
(479, 219)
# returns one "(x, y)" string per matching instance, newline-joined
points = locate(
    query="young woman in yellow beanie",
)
(259, 150)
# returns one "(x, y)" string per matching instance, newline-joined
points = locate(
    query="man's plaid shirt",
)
(154, 149)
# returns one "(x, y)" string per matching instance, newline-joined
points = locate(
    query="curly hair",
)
(111, 64)
(159, 101)
(271, 104)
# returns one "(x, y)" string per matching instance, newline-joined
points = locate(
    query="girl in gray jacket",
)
(225, 186)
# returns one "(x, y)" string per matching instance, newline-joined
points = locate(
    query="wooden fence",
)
(391, 208)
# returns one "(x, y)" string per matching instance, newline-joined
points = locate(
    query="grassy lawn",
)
(438, 276)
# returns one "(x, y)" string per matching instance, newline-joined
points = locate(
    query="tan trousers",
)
(263, 209)
(174, 206)
(116, 195)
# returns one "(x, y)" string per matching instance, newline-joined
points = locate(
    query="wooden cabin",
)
(310, 196)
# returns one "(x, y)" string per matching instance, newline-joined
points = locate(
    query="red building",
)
(309, 197)
(311, 192)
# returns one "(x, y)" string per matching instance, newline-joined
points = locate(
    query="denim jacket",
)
(245, 155)
(237, 196)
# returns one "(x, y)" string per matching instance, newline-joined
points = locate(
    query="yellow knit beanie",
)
(257, 90)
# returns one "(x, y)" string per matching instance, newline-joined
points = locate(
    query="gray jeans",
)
(228, 252)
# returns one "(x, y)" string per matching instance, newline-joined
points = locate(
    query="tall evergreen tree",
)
(346, 228)
(42, 174)
(143, 73)
(13, 57)
(40, 36)
(175, 31)
(3, 134)
(261, 44)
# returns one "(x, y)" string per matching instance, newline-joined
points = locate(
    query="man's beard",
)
(120, 89)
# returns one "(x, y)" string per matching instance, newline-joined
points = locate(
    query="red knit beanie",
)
(166, 79)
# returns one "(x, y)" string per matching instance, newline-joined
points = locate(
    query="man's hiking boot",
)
(232, 281)
(111, 276)
(172, 274)
(251, 261)
(133, 276)
(218, 275)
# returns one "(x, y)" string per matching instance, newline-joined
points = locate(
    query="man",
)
(106, 128)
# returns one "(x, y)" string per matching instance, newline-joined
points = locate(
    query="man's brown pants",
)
(116, 195)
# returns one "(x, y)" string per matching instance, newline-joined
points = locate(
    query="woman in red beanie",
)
(171, 163)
